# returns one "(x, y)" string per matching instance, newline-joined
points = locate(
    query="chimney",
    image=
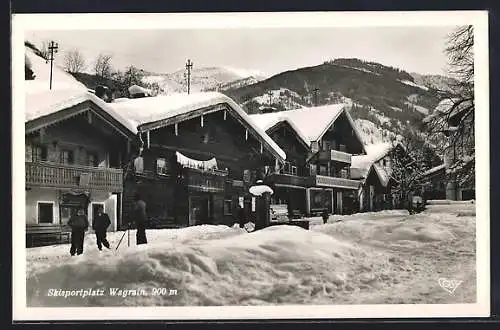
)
(104, 93)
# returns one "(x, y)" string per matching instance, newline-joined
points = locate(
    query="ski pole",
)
(121, 240)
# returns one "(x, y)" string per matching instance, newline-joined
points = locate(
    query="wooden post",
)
(147, 140)
(225, 114)
(42, 135)
(176, 129)
(246, 134)
(261, 148)
(201, 121)
(89, 117)
(129, 147)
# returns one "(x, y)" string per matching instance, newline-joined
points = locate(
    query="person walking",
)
(100, 225)
(141, 219)
(240, 215)
(79, 225)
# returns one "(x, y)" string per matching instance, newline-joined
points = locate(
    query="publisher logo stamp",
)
(449, 285)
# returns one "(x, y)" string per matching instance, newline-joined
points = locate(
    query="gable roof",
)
(268, 124)
(362, 164)
(310, 123)
(66, 92)
(154, 112)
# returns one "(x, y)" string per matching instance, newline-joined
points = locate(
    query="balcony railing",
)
(287, 179)
(207, 171)
(45, 174)
(335, 155)
(328, 181)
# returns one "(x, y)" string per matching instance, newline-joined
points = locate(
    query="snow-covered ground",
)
(368, 258)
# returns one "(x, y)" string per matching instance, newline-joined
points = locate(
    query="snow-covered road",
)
(367, 258)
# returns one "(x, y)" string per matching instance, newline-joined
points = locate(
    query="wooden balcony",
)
(328, 181)
(287, 179)
(335, 155)
(46, 174)
(206, 180)
(217, 172)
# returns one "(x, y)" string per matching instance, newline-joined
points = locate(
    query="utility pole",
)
(315, 92)
(52, 49)
(189, 66)
(270, 93)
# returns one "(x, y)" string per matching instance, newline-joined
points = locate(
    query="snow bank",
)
(360, 258)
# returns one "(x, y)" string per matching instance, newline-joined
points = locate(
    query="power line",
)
(53, 47)
(189, 66)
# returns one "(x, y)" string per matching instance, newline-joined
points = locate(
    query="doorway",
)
(199, 210)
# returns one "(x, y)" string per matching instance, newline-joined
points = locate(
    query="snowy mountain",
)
(437, 82)
(205, 79)
(383, 99)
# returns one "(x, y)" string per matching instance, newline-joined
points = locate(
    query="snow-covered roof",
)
(361, 164)
(135, 89)
(377, 151)
(312, 122)
(268, 122)
(382, 174)
(66, 92)
(149, 110)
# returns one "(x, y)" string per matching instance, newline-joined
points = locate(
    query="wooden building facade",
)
(316, 175)
(73, 159)
(197, 162)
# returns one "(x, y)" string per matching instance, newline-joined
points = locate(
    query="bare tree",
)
(74, 61)
(453, 120)
(102, 66)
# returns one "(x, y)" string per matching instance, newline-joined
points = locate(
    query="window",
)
(45, 212)
(286, 168)
(161, 166)
(313, 169)
(36, 153)
(323, 170)
(228, 206)
(92, 159)
(67, 157)
(343, 173)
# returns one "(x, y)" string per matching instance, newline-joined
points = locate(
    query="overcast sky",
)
(414, 49)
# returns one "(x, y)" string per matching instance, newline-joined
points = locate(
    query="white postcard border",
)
(24, 22)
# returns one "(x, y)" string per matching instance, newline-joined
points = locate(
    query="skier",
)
(79, 225)
(140, 219)
(100, 225)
